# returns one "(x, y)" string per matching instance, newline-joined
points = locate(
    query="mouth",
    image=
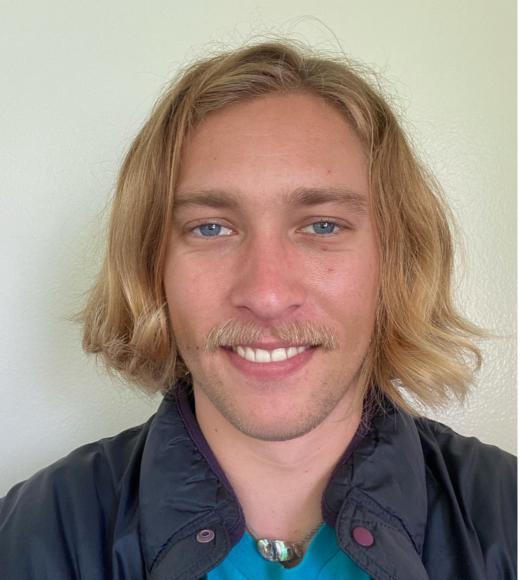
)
(269, 361)
(260, 355)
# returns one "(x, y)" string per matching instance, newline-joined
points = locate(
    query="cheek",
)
(193, 296)
(350, 286)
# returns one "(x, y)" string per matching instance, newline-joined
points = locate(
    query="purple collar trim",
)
(329, 515)
(184, 407)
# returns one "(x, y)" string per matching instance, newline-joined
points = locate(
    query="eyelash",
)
(337, 228)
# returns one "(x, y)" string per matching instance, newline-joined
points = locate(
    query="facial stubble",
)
(327, 392)
(325, 397)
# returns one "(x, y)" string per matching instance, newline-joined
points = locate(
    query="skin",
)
(277, 429)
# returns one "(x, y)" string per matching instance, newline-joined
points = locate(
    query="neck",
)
(279, 484)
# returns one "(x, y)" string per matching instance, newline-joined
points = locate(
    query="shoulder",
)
(463, 457)
(60, 506)
(97, 467)
(472, 491)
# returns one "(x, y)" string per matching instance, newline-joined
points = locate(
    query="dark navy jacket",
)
(437, 505)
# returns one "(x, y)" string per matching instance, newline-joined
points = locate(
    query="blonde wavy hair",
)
(420, 346)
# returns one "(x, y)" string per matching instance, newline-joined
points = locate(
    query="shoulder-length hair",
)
(420, 346)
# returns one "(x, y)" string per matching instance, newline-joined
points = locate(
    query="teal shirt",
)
(323, 560)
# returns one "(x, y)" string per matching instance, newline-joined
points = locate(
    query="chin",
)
(273, 410)
(270, 432)
(268, 424)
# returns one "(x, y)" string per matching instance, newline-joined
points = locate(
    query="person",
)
(278, 265)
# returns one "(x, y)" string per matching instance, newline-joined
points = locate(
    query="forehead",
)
(273, 145)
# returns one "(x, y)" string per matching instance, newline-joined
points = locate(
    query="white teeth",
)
(278, 354)
(260, 355)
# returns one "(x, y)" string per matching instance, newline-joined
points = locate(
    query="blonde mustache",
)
(304, 333)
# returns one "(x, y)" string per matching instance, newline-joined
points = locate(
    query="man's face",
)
(273, 256)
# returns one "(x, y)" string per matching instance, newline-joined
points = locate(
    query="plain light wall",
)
(78, 80)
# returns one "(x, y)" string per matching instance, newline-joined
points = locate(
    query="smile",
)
(259, 355)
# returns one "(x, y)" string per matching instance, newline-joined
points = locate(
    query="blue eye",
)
(322, 227)
(211, 230)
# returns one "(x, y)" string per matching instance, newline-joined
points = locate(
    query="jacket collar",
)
(386, 467)
(183, 489)
(382, 489)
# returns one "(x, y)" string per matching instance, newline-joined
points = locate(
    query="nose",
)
(270, 280)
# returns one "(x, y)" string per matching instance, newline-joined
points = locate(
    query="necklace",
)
(280, 550)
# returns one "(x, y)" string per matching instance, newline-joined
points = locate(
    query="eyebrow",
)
(306, 196)
(300, 197)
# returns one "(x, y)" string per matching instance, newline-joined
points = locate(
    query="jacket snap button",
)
(205, 536)
(363, 537)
